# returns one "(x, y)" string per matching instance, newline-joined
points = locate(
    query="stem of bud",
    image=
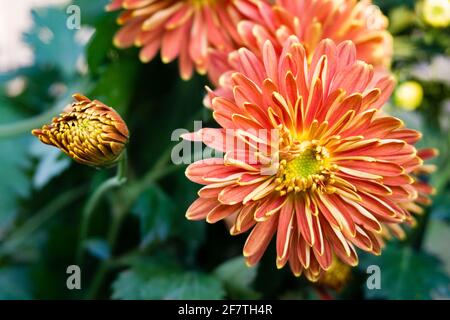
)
(118, 180)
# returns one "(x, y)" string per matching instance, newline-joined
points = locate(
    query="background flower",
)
(436, 13)
(359, 21)
(184, 29)
(312, 21)
(409, 95)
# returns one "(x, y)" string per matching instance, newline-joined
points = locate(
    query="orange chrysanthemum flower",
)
(312, 21)
(340, 20)
(187, 29)
(345, 169)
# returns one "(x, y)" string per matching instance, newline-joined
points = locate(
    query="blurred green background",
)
(139, 244)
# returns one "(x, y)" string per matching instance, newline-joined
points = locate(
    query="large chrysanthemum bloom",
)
(340, 171)
(88, 131)
(187, 29)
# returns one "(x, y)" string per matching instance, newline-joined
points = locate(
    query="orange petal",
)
(221, 212)
(284, 232)
(268, 207)
(200, 208)
(260, 237)
(381, 168)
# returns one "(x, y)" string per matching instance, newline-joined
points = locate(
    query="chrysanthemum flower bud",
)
(337, 276)
(436, 13)
(409, 95)
(88, 131)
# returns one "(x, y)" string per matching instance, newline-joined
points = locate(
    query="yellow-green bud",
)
(337, 276)
(88, 131)
(409, 95)
(436, 13)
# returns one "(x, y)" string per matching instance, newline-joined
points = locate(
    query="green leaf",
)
(100, 47)
(51, 163)
(128, 286)
(54, 44)
(441, 205)
(14, 284)
(404, 48)
(400, 18)
(406, 274)
(385, 5)
(192, 233)
(436, 241)
(156, 214)
(155, 280)
(237, 278)
(183, 286)
(113, 87)
(14, 160)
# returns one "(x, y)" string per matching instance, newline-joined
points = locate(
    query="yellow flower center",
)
(437, 10)
(202, 3)
(305, 167)
(302, 166)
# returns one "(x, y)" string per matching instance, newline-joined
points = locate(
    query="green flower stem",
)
(160, 169)
(106, 266)
(418, 235)
(128, 257)
(97, 281)
(118, 180)
(118, 215)
(121, 206)
(39, 219)
(25, 126)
